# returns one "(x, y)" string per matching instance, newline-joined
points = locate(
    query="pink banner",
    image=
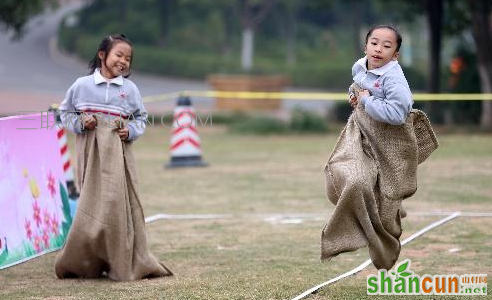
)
(34, 205)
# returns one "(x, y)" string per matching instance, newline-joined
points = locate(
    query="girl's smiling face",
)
(117, 62)
(381, 48)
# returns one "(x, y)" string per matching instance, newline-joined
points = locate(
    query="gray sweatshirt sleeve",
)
(395, 105)
(137, 126)
(68, 114)
(354, 71)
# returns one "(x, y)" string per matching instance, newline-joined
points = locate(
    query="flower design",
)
(46, 217)
(37, 243)
(123, 95)
(27, 226)
(34, 188)
(36, 213)
(51, 184)
(377, 84)
(54, 225)
(46, 239)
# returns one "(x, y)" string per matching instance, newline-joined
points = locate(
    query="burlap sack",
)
(373, 167)
(108, 233)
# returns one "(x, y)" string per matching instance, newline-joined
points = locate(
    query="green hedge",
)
(302, 121)
(323, 73)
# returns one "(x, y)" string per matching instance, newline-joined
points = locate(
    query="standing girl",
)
(105, 110)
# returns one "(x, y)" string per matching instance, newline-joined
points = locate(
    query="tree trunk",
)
(252, 14)
(165, 10)
(124, 11)
(286, 22)
(247, 49)
(482, 33)
(435, 10)
(229, 32)
(434, 16)
(355, 20)
(291, 35)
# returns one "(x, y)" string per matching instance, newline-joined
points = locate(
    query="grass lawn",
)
(249, 256)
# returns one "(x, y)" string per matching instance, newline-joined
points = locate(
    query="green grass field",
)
(248, 257)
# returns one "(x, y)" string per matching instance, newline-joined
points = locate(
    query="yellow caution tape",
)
(451, 97)
(307, 96)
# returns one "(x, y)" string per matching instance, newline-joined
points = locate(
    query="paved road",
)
(34, 74)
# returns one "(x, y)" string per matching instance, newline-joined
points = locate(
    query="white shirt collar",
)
(98, 78)
(378, 71)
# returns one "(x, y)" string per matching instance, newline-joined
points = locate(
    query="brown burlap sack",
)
(108, 233)
(373, 167)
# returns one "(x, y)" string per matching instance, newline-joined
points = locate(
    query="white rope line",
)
(431, 226)
(462, 214)
(368, 262)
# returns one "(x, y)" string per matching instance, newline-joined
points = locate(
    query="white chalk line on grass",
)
(186, 217)
(368, 262)
(289, 218)
(286, 218)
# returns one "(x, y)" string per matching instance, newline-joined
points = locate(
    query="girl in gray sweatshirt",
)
(386, 96)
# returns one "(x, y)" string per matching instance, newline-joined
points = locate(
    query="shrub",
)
(306, 121)
(259, 125)
(229, 118)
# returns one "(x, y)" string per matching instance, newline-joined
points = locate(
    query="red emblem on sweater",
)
(123, 95)
(376, 84)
